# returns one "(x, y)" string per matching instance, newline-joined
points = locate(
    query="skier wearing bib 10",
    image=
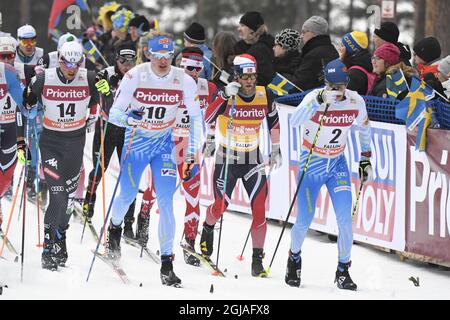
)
(328, 113)
(147, 103)
(66, 93)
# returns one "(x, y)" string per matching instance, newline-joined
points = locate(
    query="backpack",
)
(370, 77)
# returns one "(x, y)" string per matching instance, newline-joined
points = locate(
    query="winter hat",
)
(121, 19)
(336, 72)
(388, 52)
(428, 49)
(26, 32)
(141, 23)
(388, 32)
(195, 33)
(126, 50)
(252, 19)
(355, 41)
(244, 63)
(444, 66)
(7, 44)
(288, 39)
(66, 38)
(160, 44)
(316, 24)
(192, 56)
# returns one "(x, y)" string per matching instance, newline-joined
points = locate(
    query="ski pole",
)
(39, 244)
(12, 210)
(227, 155)
(299, 184)
(102, 153)
(355, 208)
(24, 204)
(112, 200)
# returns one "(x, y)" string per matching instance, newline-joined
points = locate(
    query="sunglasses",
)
(71, 65)
(7, 56)
(192, 68)
(126, 61)
(159, 56)
(247, 76)
(336, 86)
(28, 41)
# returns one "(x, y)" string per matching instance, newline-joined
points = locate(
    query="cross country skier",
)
(147, 102)
(114, 135)
(12, 142)
(27, 52)
(192, 63)
(328, 165)
(252, 105)
(66, 93)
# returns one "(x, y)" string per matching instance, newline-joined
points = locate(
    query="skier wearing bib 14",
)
(147, 101)
(328, 165)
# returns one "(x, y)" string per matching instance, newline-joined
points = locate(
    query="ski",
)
(80, 217)
(146, 250)
(115, 266)
(206, 260)
(8, 243)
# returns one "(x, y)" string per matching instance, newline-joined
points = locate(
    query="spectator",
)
(354, 54)
(317, 51)
(384, 57)
(287, 56)
(256, 41)
(194, 36)
(223, 55)
(137, 27)
(389, 32)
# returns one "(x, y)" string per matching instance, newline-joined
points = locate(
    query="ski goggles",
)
(27, 41)
(193, 68)
(166, 55)
(247, 76)
(335, 86)
(7, 56)
(71, 65)
(126, 61)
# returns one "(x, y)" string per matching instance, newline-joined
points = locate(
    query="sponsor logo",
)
(51, 173)
(162, 97)
(72, 93)
(166, 157)
(2, 91)
(52, 162)
(336, 118)
(249, 113)
(168, 173)
(57, 188)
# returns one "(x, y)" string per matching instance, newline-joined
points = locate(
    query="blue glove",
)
(32, 113)
(135, 117)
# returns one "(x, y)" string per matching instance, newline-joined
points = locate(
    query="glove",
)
(188, 168)
(135, 117)
(275, 160)
(365, 171)
(232, 89)
(209, 147)
(29, 98)
(224, 77)
(21, 151)
(90, 124)
(114, 80)
(103, 87)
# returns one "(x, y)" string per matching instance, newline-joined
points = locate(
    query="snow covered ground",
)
(379, 275)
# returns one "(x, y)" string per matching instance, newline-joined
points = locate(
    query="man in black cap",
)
(389, 32)
(194, 36)
(256, 41)
(137, 27)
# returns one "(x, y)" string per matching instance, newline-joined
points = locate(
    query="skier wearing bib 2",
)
(243, 160)
(328, 165)
(66, 93)
(147, 103)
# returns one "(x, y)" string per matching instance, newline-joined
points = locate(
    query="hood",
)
(362, 59)
(267, 39)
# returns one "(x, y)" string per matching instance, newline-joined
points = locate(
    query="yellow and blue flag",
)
(396, 83)
(280, 85)
(91, 51)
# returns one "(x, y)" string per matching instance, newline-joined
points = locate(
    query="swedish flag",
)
(395, 84)
(280, 85)
(91, 51)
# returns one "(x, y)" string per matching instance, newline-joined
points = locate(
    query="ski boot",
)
(128, 229)
(207, 240)
(293, 269)
(168, 277)
(48, 260)
(88, 205)
(113, 241)
(188, 257)
(143, 222)
(60, 247)
(257, 267)
(31, 190)
(343, 279)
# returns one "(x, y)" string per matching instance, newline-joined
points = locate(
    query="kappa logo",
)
(52, 162)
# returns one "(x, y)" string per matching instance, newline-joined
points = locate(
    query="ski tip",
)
(240, 258)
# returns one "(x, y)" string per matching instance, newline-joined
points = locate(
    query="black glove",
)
(29, 98)
(114, 80)
(365, 171)
(209, 147)
(102, 74)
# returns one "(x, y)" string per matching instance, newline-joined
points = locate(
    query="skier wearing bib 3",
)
(329, 113)
(147, 103)
(66, 93)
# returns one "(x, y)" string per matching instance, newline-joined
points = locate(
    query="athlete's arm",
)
(215, 108)
(118, 114)
(272, 118)
(192, 103)
(364, 134)
(306, 109)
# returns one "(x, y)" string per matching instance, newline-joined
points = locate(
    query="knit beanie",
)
(388, 32)
(388, 52)
(288, 39)
(428, 49)
(316, 24)
(355, 41)
(252, 19)
(141, 23)
(195, 33)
